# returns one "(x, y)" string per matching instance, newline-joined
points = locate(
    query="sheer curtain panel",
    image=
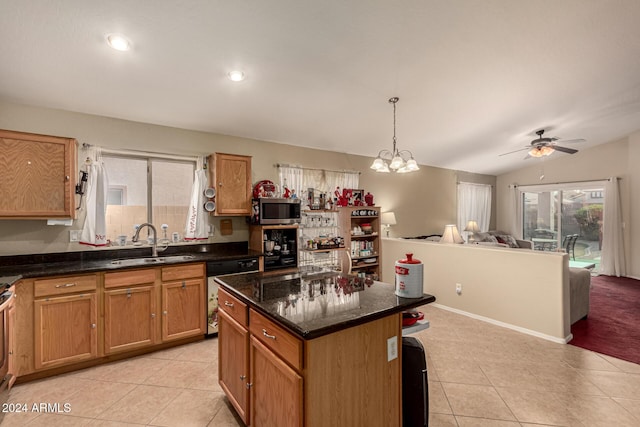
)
(94, 230)
(474, 203)
(292, 178)
(612, 262)
(196, 227)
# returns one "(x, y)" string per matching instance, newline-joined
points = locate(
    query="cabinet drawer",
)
(233, 307)
(186, 271)
(280, 341)
(129, 278)
(65, 285)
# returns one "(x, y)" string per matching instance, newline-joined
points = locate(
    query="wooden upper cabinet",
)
(231, 176)
(38, 175)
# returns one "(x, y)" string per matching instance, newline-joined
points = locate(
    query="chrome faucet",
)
(154, 250)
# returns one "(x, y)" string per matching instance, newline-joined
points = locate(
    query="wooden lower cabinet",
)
(130, 310)
(276, 389)
(233, 363)
(12, 372)
(65, 330)
(129, 318)
(183, 309)
(344, 378)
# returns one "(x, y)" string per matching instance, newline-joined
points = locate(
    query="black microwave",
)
(272, 210)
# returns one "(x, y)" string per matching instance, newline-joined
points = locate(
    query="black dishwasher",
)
(218, 268)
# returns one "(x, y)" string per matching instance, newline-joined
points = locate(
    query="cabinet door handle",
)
(164, 313)
(228, 304)
(93, 326)
(153, 315)
(249, 385)
(243, 377)
(66, 285)
(264, 332)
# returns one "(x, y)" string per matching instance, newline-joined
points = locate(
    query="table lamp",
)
(451, 234)
(472, 228)
(388, 219)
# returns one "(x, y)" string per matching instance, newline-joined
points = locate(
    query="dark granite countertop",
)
(53, 264)
(313, 305)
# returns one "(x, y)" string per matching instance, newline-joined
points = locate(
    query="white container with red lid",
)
(409, 277)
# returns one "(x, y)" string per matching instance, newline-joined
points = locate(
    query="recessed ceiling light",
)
(236, 76)
(118, 42)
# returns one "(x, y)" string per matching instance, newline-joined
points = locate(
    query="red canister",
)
(409, 277)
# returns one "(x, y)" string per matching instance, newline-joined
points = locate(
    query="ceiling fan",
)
(543, 146)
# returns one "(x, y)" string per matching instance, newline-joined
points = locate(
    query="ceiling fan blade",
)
(564, 149)
(572, 141)
(511, 152)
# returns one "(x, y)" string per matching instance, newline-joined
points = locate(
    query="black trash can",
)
(415, 389)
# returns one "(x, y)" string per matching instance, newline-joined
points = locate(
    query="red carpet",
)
(613, 324)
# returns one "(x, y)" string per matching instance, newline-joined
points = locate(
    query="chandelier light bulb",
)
(118, 42)
(378, 164)
(396, 162)
(236, 76)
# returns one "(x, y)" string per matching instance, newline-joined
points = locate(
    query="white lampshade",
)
(388, 218)
(412, 165)
(451, 234)
(472, 226)
(396, 162)
(377, 164)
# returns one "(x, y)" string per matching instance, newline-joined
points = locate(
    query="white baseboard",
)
(564, 340)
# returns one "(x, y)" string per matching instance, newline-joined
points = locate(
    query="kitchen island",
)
(312, 348)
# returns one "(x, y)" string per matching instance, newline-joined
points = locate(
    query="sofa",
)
(501, 238)
(579, 288)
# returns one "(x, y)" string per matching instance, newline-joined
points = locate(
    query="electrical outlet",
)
(459, 288)
(392, 348)
(74, 235)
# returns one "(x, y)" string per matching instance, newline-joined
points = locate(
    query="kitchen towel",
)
(197, 219)
(94, 232)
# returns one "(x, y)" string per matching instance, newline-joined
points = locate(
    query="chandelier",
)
(400, 161)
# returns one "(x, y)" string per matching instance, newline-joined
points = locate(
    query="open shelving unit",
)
(321, 242)
(364, 246)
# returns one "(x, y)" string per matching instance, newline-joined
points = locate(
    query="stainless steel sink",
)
(152, 260)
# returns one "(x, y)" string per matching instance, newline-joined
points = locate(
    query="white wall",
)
(527, 290)
(423, 201)
(619, 158)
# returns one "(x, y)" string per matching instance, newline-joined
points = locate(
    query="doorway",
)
(568, 219)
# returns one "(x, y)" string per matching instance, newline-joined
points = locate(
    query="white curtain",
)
(325, 181)
(196, 227)
(474, 203)
(612, 262)
(515, 212)
(292, 178)
(94, 230)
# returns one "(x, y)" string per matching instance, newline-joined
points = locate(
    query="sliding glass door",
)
(568, 219)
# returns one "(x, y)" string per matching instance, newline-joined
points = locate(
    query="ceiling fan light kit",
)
(542, 147)
(399, 161)
(541, 151)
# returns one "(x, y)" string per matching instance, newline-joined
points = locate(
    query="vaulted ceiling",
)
(475, 78)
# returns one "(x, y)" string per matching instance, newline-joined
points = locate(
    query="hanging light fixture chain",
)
(394, 100)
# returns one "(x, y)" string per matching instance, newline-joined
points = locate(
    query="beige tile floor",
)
(479, 375)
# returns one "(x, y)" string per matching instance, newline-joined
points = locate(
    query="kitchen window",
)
(147, 189)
